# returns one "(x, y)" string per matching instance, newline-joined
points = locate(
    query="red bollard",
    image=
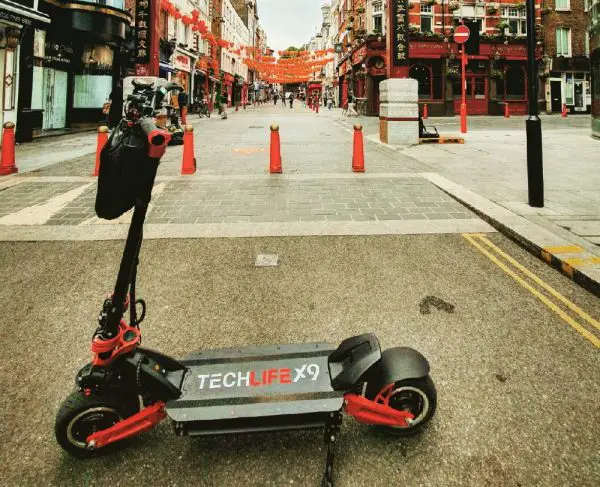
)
(102, 139)
(506, 110)
(564, 110)
(358, 152)
(317, 105)
(188, 166)
(7, 161)
(275, 163)
(463, 118)
(425, 111)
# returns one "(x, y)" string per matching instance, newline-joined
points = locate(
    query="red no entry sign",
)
(461, 34)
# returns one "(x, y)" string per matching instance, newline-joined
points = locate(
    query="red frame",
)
(117, 345)
(140, 422)
(376, 411)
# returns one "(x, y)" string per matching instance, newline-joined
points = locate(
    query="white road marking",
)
(40, 214)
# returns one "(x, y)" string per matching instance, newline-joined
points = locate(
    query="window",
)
(426, 18)
(563, 4)
(569, 88)
(563, 42)
(377, 23)
(516, 19)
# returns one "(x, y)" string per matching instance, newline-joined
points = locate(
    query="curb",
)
(565, 252)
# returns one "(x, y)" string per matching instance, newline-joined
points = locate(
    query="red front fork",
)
(145, 420)
(371, 412)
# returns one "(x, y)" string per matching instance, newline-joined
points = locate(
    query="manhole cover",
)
(267, 260)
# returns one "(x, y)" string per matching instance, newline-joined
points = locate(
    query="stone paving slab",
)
(27, 194)
(281, 200)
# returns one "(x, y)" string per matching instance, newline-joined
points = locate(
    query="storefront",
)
(494, 77)
(227, 86)
(81, 60)
(595, 65)
(182, 65)
(376, 73)
(569, 83)
(17, 26)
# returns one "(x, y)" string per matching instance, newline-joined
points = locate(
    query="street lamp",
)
(533, 124)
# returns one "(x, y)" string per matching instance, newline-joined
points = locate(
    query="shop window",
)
(92, 82)
(422, 73)
(563, 42)
(515, 82)
(563, 4)
(569, 88)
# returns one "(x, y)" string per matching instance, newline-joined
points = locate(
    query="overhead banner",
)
(143, 24)
(399, 11)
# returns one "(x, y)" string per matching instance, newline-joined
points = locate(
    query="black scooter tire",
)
(98, 410)
(423, 390)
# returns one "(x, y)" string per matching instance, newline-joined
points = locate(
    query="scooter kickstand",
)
(332, 429)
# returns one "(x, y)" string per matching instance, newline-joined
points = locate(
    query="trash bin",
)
(28, 120)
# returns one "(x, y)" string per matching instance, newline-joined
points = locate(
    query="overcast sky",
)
(289, 22)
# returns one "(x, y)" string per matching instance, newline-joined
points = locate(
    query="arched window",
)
(422, 73)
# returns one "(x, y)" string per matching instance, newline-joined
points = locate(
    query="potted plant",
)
(521, 6)
(496, 74)
(492, 10)
(429, 3)
(502, 26)
(360, 10)
(453, 73)
(453, 5)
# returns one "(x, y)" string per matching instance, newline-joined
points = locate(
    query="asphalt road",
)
(518, 386)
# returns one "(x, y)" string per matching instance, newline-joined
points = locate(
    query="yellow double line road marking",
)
(502, 260)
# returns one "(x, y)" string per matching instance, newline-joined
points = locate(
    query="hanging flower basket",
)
(496, 74)
(453, 5)
(491, 10)
(453, 73)
(430, 3)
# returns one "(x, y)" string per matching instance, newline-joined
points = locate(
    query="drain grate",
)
(267, 260)
(256, 127)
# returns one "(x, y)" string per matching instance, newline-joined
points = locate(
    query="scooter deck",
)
(249, 389)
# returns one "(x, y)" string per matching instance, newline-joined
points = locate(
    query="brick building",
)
(566, 67)
(496, 70)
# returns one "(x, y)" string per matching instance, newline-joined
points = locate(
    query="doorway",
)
(555, 96)
(54, 99)
(477, 94)
(579, 99)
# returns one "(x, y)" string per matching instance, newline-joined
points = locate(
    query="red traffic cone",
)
(188, 165)
(102, 139)
(425, 111)
(7, 160)
(275, 162)
(564, 110)
(358, 152)
(506, 110)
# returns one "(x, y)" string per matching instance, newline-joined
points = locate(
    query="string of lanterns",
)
(290, 67)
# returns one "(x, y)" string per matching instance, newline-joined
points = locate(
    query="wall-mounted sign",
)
(182, 62)
(399, 13)
(339, 48)
(14, 17)
(143, 24)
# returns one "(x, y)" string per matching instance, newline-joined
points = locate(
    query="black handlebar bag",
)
(126, 172)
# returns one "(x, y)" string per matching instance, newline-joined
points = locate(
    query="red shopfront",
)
(494, 77)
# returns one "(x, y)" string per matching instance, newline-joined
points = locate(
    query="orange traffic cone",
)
(7, 161)
(564, 110)
(102, 139)
(358, 153)
(506, 110)
(425, 111)
(188, 165)
(275, 163)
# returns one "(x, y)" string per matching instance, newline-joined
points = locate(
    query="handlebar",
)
(157, 138)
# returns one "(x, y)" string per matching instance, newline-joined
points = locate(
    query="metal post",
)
(463, 105)
(533, 124)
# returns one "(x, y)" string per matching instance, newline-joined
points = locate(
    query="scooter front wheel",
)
(81, 415)
(416, 396)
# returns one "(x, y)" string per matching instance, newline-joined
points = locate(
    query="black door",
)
(555, 104)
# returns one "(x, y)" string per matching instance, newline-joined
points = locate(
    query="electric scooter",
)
(127, 389)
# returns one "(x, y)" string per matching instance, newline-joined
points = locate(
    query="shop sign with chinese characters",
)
(399, 10)
(143, 24)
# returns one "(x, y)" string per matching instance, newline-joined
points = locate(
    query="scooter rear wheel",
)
(80, 415)
(417, 396)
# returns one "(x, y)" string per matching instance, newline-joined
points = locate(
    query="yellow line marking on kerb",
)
(572, 306)
(574, 324)
(564, 249)
(582, 262)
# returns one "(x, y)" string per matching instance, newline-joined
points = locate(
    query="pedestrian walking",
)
(329, 101)
(283, 98)
(275, 97)
(182, 101)
(291, 100)
(115, 113)
(224, 101)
